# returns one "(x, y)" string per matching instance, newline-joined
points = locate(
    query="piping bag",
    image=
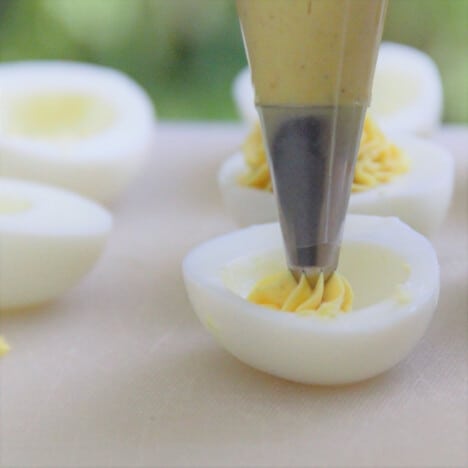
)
(312, 64)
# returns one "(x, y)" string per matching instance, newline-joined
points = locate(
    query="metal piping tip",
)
(312, 274)
(312, 151)
(318, 266)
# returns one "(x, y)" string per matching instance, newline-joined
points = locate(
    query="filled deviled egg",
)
(356, 324)
(399, 175)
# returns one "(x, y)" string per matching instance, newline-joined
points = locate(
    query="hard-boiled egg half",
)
(49, 238)
(420, 197)
(392, 270)
(407, 91)
(244, 96)
(79, 126)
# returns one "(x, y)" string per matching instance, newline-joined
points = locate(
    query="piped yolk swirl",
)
(379, 161)
(281, 291)
(258, 173)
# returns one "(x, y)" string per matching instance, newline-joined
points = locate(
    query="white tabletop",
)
(119, 372)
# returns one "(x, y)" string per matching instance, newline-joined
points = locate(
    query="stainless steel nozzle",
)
(312, 152)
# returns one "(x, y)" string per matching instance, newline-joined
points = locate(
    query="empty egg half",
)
(49, 238)
(83, 127)
(407, 92)
(420, 197)
(392, 270)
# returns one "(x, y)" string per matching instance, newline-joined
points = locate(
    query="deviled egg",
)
(49, 238)
(392, 270)
(79, 126)
(407, 91)
(413, 180)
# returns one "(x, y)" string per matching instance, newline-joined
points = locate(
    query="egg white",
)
(420, 198)
(49, 238)
(244, 96)
(395, 276)
(100, 154)
(407, 92)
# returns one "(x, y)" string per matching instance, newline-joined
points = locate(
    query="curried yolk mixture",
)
(281, 291)
(293, 43)
(4, 348)
(379, 161)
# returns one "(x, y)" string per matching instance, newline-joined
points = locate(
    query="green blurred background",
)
(187, 52)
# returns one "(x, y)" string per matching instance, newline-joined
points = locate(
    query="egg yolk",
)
(59, 115)
(4, 348)
(378, 162)
(281, 291)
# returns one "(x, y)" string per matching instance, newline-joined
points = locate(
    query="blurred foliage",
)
(440, 28)
(187, 52)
